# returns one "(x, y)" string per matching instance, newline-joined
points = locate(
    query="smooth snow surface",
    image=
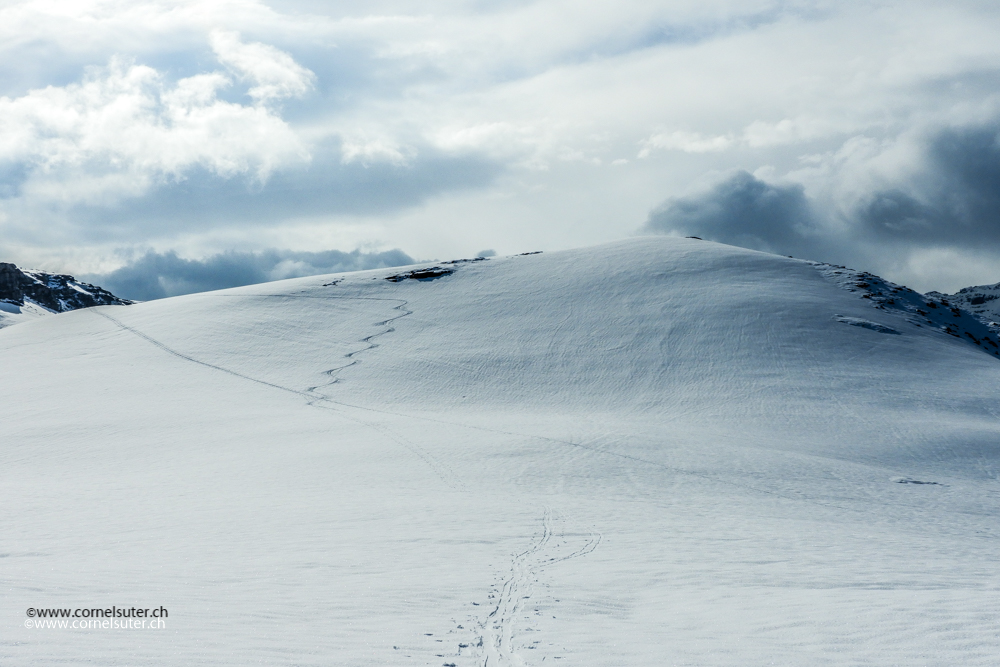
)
(654, 452)
(11, 313)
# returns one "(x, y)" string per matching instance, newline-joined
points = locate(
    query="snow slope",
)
(653, 452)
(13, 313)
(983, 301)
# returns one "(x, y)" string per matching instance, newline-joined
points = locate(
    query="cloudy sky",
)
(170, 146)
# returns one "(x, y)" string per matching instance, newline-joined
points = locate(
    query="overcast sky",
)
(274, 139)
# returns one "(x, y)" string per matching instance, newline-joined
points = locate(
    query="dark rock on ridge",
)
(421, 274)
(983, 301)
(56, 292)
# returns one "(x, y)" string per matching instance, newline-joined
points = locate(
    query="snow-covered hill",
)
(981, 300)
(653, 452)
(26, 294)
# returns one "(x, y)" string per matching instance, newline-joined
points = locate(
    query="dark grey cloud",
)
(953, 201)
(158, 275)
(204, 200)
(956, 202)
(742, 210)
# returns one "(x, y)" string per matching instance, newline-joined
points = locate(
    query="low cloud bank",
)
(158, 275)
(946, 202)
(954, 201)
(741, 210)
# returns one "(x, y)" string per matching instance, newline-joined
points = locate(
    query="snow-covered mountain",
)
(653, 452)
(981, 300)
(26, 294)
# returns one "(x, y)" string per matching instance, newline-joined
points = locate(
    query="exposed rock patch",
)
(932, 311)
(421, 274)
(56, 293)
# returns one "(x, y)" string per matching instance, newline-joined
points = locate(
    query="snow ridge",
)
(933, 310)
(983, 301)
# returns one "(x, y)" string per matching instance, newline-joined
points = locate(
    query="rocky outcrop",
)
(983, 301)
(55, 292)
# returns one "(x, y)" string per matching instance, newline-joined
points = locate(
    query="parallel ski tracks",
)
(498, 629)
(498, 645)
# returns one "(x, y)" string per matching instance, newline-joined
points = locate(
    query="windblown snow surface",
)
(654, 452)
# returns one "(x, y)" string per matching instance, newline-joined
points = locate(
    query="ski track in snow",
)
(498, 629)
(450, 480)
(498, 645)
(439, 468)
(170, 350)
(333, 372)
(714, 557)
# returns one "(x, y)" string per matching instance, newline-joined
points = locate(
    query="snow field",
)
(660, 451)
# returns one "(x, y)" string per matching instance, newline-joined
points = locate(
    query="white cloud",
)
(687, 142)
(554, 95)
(276, 75)
(757, 134)
(367, 150)
(125, 127)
